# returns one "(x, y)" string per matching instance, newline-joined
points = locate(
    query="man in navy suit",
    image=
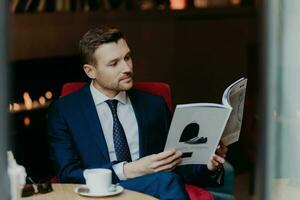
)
(82, 127)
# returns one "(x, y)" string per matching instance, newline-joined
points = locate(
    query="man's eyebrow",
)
(113, 60)
(117, 59)
(128, 53)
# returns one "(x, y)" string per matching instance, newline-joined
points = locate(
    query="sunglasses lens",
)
(44, 187)
(28, 190)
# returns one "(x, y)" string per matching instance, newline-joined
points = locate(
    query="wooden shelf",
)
(44, 35)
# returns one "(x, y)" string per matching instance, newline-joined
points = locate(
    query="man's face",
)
(113, 70)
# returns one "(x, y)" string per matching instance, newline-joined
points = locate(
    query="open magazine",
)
(197, 128)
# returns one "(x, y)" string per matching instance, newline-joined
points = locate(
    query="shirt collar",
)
(99, 97)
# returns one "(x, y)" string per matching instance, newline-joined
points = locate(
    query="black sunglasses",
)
(42, 187)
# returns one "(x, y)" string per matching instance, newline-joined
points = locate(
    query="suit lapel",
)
(139, 111)
(91, 117)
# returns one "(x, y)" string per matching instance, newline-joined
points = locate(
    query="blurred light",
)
(16, 107)
(200, 3)
(26, 121)
(42, 100)
(27, 101)
(35, 104)
(178, 4)
(235, 2)
(26, 95)
(30, 104)
(147, 5)
(49, 95)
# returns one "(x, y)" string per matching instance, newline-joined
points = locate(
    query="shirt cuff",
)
(119, 170)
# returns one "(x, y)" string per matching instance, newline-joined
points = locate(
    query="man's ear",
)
(90, 71)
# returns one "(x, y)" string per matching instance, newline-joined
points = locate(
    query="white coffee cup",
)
(98, 180)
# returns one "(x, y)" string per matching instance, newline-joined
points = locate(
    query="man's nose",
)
(127, 66)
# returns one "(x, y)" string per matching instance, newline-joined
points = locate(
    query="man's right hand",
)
(164, 161)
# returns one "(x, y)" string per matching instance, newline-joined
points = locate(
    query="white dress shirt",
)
(128, 120)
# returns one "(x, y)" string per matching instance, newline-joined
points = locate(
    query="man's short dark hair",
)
(94, 38)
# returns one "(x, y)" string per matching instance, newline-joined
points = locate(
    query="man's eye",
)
(128, 57)
(113, 64)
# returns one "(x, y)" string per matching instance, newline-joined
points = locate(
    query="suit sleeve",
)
(62, 151)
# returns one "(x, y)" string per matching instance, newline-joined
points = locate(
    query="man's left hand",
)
(218, 158)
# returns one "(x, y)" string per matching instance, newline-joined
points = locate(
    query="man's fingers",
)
(156, 162)
(222, 144)
(218, 159)
(169, 166)
(223, 155)
(215, 163)
(167, 160)
(165, 154)
(222, 150)
(225, 149)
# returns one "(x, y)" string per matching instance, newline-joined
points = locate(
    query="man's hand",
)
(218, 158)
(164, 161)
(222, 150)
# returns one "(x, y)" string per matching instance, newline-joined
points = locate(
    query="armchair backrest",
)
(157, 88)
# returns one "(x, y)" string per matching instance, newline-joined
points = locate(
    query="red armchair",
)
(158, 88)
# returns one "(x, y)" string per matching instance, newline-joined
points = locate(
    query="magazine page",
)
(196, 130)
(234, 96)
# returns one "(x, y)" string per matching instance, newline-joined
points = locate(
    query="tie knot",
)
(112, 103)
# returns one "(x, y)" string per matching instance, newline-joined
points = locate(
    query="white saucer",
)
(84, 191)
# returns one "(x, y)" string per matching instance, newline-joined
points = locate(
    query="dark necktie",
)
(120, 141)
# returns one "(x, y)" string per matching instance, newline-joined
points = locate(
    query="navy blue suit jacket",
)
(77, 141)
